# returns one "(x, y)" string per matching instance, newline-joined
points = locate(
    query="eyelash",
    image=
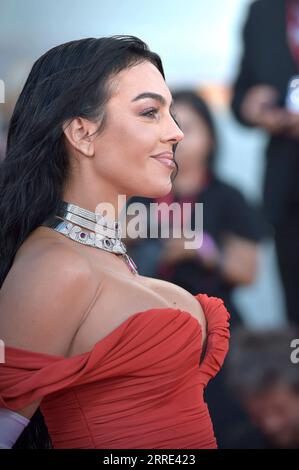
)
(149, 112)
(155, 111)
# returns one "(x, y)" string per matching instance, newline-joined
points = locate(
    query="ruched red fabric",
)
(140, 387)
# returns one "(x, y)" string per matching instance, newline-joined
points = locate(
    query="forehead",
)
(140, 78)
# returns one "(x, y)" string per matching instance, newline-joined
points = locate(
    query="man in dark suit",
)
(270, 58)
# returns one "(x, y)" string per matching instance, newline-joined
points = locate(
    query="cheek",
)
(123, 157)
(123, 145)
(132, 142)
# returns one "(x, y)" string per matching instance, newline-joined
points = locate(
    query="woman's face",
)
(138, 126)
(192, 153)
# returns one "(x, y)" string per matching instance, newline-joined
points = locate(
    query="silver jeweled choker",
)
(70, 220)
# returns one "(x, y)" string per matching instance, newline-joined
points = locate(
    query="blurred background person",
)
(232, 230)
(270, 58)
(265, 378)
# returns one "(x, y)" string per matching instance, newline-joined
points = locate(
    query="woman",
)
(111, 358)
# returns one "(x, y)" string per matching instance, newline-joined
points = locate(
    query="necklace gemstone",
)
(71, 220)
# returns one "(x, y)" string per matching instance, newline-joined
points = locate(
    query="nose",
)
(172, 132)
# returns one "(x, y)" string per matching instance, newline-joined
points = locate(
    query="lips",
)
(164, 155)
(166, 161)
(166, 158)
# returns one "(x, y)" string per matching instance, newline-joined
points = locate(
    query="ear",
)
(79, 133)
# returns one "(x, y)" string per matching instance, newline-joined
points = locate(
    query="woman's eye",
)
(150, 113)
(154, 111)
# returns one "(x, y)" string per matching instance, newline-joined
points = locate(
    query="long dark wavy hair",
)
(68, 81)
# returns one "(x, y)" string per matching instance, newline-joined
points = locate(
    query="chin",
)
(156, 190)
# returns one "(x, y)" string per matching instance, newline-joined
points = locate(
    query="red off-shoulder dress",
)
(140, 387)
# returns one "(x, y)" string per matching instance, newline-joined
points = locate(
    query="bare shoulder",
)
(44, 296)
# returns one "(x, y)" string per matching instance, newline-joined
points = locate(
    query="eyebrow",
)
(154, 96)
